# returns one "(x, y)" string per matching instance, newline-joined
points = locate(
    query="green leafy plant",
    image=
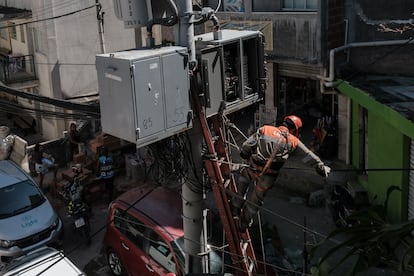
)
(371, 241)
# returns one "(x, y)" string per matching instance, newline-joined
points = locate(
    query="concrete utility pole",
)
(193, 203)
(100, 17)
(186, 28)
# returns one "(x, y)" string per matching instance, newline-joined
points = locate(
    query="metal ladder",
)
(223, 183)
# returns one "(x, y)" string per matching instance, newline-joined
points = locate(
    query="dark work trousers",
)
(254, 198)
(109, 187)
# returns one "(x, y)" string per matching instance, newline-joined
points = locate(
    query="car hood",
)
(44, 261)
(27, 223)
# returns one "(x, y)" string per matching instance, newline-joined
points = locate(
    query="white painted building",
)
(63, 38)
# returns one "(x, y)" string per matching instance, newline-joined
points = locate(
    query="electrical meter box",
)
(144, 94)
(232, 68)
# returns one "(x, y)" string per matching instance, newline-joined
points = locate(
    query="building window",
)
(222, 5)
(233, 5)
(265, 6)
(300, 5)
(3, 31)
(13, 31)
(40, 42)
(22, 38)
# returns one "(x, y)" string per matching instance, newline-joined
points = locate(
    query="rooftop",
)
(396, 92)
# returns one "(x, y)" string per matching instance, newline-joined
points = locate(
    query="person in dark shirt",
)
(105, 170)
(42, 162)
(74, 140)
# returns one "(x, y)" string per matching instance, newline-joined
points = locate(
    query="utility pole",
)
(193, 202)
(100, 17)
(186, 28)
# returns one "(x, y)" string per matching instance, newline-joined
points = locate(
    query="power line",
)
(49, 18)
(17, 110)
(219, 249)
(65, 64)
(51, 7)
(86, 108)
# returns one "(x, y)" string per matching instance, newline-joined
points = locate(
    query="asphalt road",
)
(88, 258)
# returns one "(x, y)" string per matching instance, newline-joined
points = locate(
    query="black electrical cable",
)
(45, 111)
(77, 246)
(17, 110)
(166, 21)
(49, 18)
(65, 64)
(87, 108)
(354, 170)
(174, 161)
(50, 8)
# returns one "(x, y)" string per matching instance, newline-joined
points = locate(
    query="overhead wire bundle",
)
(49, 107)
(173, 158)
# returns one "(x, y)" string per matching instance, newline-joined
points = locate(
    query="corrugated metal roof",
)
(397, 92)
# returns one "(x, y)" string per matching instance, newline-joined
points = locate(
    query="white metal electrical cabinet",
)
(144, 94)
(232, 65)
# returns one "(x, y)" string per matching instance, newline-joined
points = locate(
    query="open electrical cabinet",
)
(232, 67)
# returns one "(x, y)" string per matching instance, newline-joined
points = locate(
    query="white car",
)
(27, 219)
(45, 261)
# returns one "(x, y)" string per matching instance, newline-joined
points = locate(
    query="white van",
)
(45, 261)
(27, 219)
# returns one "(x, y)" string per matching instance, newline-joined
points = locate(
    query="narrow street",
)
(89, 258)
(283, 209)
(286, 209)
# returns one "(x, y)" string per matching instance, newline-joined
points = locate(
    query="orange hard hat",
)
(294, 123)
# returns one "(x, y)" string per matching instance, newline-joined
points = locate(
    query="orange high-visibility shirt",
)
(272, 138)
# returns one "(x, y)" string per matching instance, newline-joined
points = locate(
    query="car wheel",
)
(115, 264)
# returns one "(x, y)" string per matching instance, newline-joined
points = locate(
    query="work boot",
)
(235, 212)
(246, 218)
(243, 224)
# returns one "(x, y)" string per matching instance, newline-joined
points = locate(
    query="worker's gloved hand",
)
(323, 170)
(236, 167)
(244, 154)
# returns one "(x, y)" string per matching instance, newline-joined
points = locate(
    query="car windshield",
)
(178, 246)
(19, 198)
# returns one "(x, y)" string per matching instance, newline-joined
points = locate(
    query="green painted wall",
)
(386, 150)
(388, 114)
(355, 134)
(388, 147)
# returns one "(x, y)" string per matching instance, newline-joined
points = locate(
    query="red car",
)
(145, 235)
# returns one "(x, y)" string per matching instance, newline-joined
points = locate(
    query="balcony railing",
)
(17, 69)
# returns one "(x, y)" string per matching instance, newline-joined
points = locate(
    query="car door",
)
(131, 242)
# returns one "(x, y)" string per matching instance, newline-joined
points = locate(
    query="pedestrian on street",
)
(74, 140)
(106, 171)
(43, 162)
(266, 151)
